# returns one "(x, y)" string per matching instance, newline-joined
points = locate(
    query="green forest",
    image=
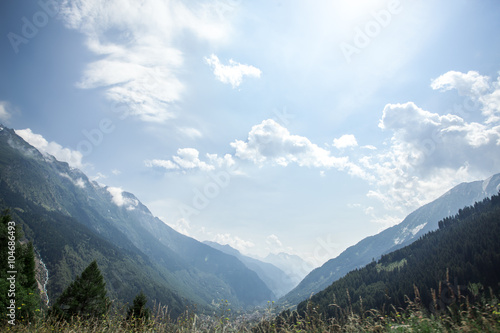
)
(458, 260)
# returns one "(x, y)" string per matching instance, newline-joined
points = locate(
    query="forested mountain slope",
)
(464, 251)
(416, 224)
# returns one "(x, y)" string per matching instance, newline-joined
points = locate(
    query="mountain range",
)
(73, 220)
(277, 280)
(415, 225)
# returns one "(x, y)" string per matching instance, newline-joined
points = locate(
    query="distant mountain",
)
(464, 252)
(293, 265)
(419, 222)
(276, 280)
(106, 223)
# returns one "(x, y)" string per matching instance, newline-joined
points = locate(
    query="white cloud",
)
(98, 176)
(72, 157)
(491, 103)
(78, 182)
(271, 142)
(182, 226)
(120, 200)
(470, 84)
(274, 245)
(166, 164)
(232, 73)
(227, 161)
(273, 240)
(345, 141)
(188, 158)
(475, 86)
(429, 153)
(234, 241)
(190, 132)
(4, 113)
(139, 50)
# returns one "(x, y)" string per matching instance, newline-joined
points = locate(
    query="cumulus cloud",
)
(137, 43)
(475, 86)
(429, 153)
(187, 158)
(467, 84)
(273, 240)
(72, 157)
(345, 141)
(271, 142)
(232, 73)
(120, 200)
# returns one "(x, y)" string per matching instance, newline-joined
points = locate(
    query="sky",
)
(273, 126)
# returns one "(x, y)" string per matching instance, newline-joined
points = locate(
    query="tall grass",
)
(476, 312)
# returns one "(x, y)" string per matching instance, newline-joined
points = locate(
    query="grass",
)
(483, 315)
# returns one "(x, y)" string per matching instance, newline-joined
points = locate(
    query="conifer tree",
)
(86, 296)
(139, 309)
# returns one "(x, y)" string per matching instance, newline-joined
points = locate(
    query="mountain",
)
(275, 279)
(293, 265)
(73, 220)
(456, 261)
(416, 224)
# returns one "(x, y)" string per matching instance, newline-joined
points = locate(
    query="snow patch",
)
(418, 228)
(486, 182)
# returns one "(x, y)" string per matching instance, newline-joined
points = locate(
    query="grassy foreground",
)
(460, 316)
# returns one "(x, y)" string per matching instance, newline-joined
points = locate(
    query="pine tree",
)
(139, 309)
(86, 296)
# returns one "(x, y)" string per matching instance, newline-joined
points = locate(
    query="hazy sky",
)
(296, 126)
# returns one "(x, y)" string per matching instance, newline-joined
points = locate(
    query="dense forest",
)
(458, 260)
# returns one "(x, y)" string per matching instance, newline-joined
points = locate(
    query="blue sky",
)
(272, 126)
